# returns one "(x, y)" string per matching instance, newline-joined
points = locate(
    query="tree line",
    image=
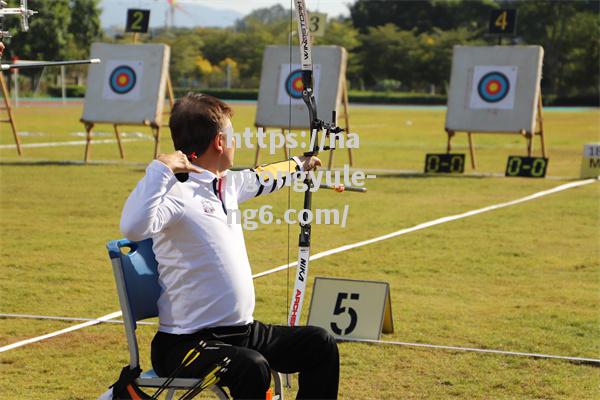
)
(392, 45)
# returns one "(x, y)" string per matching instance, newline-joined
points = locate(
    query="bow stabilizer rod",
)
(42, 64)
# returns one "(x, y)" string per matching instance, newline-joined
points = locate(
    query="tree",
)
(84, 27)
(422, 15)
(568, 31)
(48, 33)
(342, 33)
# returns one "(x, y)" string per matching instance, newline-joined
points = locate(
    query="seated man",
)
(208, 291)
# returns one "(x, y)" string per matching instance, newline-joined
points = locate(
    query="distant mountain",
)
(114, 14)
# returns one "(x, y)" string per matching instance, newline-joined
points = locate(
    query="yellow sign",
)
(590, 164)
(351, 309)
(316, 24)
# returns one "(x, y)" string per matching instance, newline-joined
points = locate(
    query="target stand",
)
(496, 89)
(529, 136)
(10, 118)
(128, 88)
(346, 128)
(280, 103)
(155, 126)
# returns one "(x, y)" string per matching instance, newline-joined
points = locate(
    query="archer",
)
(208, 291)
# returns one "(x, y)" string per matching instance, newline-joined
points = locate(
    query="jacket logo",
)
(208, 207)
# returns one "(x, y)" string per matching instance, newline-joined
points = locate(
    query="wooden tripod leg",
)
(156, 131)
(471, 150)
(449, 142)
(543, 143)
(11, 118)
(88, 139)
(170, 92)
(540, 120)
(118, 135)
(529, 144)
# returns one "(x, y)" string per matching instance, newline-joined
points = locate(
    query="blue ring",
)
(114, 85)
(504, 87)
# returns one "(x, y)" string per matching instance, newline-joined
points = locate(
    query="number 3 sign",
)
(351, 309)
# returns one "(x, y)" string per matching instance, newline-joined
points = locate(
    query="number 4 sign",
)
(351, 309)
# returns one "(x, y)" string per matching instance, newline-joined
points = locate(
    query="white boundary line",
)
(67, 143)
(58, 318)
(430, 224)
(104, 318)
(335, 251)
(503, 352)
(395, 343)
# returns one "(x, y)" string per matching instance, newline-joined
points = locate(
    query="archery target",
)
(294, 85)
(129, 85)
(493, 87)
(122, 80)
(291, 85)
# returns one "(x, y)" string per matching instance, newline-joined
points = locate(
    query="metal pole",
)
(62, 83)
(16, 88)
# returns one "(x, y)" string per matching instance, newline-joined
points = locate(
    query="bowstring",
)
(289, 197)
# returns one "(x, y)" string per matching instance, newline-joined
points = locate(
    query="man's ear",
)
(217, 143)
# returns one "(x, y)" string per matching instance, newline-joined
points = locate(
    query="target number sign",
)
(527, 167)
(445, 163)
(503, 22)
(317, 23)
(350, 308)
(493, 87)
(122, 80)
(137, 20)
(590, 163)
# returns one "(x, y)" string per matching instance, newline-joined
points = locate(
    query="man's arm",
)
(269, 178)
(148, 209)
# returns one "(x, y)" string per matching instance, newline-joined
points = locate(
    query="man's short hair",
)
(195, 121)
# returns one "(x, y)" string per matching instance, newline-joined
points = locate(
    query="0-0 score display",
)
(445, 163)
(528, 167)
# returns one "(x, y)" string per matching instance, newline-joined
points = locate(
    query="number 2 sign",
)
(137, 20)
(351, 309)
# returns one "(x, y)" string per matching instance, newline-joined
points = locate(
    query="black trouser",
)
(254, 350)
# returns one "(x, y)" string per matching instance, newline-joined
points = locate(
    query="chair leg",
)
(219, 392)
(170, 394)
(278, 383)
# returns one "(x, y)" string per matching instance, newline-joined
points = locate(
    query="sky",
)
(331, 7)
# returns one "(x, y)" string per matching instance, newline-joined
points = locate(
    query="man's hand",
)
(309, 163)
(1, 48)
(178, 162)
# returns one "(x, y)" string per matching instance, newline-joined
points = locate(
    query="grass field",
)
(524, 278)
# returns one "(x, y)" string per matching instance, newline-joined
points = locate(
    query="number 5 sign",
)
(351, 309)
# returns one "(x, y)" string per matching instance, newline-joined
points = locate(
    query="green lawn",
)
(524, 278)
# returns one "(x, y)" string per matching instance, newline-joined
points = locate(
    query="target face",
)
(493, 87)
(290, 85)
(122, 79)
(294, 85)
